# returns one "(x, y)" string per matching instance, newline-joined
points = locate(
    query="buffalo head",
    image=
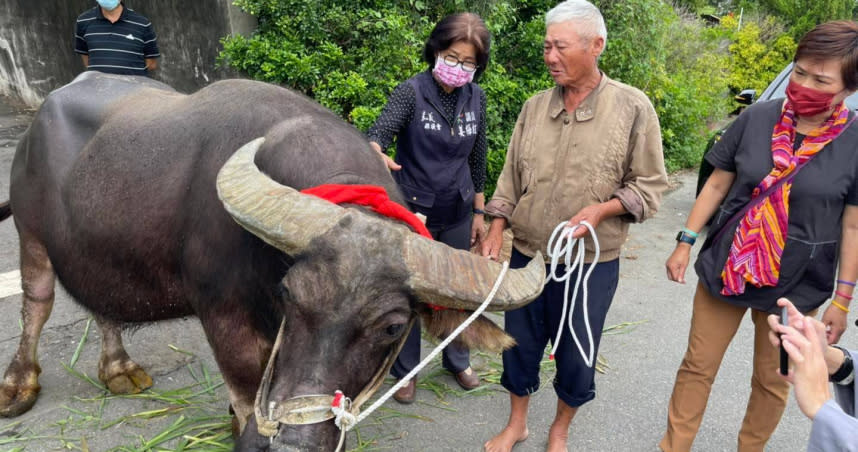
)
(353, 285)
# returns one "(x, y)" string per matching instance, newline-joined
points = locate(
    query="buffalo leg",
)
(20, 386)
(115, 368)
(240, 352)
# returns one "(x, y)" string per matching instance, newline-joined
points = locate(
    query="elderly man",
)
(588, 150)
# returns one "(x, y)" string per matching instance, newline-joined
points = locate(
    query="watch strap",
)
(846, 373)
(685, 238)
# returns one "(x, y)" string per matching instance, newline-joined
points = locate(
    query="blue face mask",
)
(109, 5)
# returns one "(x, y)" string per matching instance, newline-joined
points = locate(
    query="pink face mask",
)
(453, 76)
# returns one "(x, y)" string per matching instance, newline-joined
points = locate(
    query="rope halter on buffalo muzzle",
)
(313, 409)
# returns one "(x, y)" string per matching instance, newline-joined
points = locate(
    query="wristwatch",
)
(479, 211)
(685, 237)
(846, 373)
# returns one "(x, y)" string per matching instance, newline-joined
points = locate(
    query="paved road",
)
(627, 415)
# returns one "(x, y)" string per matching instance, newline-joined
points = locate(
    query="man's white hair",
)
(583, 13)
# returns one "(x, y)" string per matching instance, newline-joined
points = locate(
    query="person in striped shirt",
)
(115, 39)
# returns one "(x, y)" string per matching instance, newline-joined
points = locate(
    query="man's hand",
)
(805, 342)
(833, 356)
(594, 214)
(493, 241)
(151, 64)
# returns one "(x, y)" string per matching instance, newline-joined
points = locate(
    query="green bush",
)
(675, 59)
(802, 15)
(756, 58)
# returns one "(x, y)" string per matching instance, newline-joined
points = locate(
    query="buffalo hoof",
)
(16, 400)
(131, 381)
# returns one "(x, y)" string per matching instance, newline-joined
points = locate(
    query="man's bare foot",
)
(557, 438)
(506, 439)
(556, 445)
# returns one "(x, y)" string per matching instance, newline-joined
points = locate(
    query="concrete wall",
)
(37, 42)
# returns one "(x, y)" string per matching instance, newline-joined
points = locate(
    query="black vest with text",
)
(435, 175)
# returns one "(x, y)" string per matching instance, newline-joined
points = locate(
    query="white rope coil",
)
(561, 245)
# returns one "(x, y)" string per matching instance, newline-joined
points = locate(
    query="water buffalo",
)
(149, 204)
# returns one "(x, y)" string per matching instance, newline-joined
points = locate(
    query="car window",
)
(777, 89)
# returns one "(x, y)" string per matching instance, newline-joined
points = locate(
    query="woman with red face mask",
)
(784, 203)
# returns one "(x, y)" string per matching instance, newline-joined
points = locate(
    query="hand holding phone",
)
(784, 357)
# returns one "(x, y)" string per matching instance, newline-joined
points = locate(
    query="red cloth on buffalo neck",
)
(376, 198)
(371, 196)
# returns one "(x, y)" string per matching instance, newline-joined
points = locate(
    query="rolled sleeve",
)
(645, 179)
(500, 209)
(632, 202)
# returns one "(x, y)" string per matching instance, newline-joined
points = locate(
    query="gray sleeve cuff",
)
(500, 209)
(633, 203)
(833, 429)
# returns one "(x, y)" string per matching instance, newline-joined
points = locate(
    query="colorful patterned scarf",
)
(755, 255)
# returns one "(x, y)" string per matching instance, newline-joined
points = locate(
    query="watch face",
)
(683, 237)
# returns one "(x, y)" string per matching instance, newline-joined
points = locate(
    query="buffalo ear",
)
(482, 334)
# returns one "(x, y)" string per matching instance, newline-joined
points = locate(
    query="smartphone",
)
(784, 357)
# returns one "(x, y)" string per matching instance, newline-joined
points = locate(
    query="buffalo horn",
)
(277, 214)
(454, 278)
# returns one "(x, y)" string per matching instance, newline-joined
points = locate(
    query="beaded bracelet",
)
(850, 284)
(840, 306)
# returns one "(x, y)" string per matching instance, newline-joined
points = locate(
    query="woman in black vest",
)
(439, 120)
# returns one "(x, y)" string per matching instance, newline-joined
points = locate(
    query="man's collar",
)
(586, 110)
